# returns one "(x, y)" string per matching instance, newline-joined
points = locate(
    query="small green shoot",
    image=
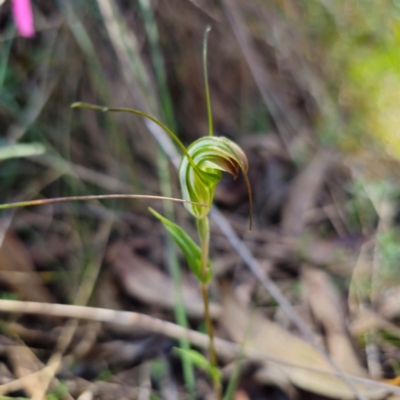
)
(201, 362)
(104, 375)
(158, 369)
(58, 393)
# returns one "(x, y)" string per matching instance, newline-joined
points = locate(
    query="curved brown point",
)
(246, 179)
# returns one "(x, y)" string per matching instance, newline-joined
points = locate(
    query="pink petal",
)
(23, 17)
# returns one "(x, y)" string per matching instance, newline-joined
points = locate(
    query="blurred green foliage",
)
(359, 41)
(389, 252)
(58, 393)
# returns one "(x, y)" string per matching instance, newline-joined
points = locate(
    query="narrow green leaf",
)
(201, 362)
(21, 150)
(189, 248)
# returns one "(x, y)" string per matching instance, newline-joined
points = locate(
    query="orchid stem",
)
(203, 230)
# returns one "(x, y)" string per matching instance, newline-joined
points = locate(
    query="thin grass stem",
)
(204, 234)
(208, 98)
(143, 114)
(92, 197)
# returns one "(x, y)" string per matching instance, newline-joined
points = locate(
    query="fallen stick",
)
(129, 318)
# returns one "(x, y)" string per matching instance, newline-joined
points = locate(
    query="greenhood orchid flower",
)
(211, 156)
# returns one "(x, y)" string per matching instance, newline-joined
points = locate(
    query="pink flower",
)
(23, 17)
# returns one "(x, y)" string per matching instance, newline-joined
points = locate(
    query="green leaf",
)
(189, 248)
(200, 362)
(21, 150)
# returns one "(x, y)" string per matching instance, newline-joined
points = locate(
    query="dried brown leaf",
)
(144, 281)
(324, 303)
(18, 271)
(303, 192)
(257, 332)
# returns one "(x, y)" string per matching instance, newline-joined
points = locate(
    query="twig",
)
(224, 348)
(17, 384)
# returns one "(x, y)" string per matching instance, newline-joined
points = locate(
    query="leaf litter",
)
(311, 213)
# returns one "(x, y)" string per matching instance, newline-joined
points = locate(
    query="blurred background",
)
(311, 92)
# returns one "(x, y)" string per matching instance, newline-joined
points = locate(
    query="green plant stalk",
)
(203, 230)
